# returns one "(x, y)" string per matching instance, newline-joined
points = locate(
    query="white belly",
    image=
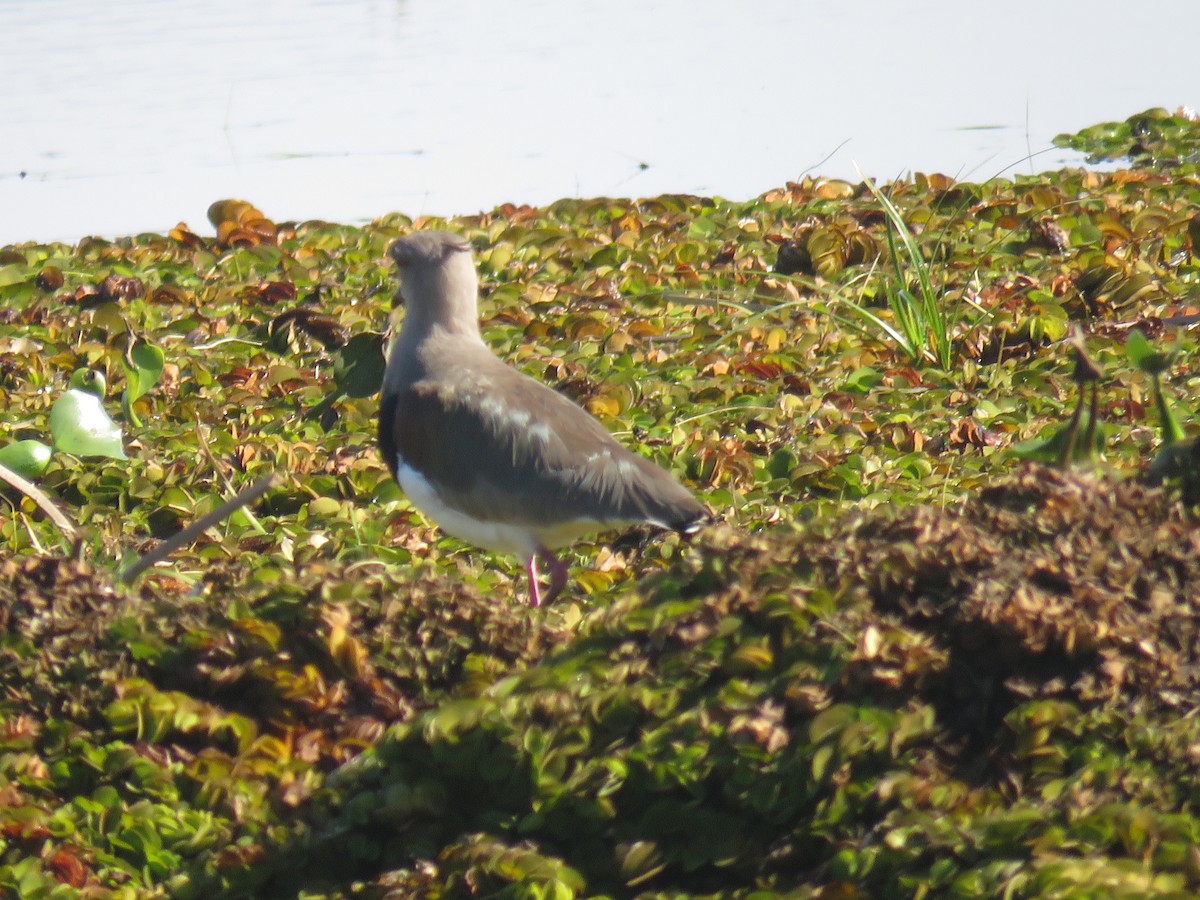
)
(503, 537)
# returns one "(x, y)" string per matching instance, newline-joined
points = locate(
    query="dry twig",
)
(44, 503)
(193, 531)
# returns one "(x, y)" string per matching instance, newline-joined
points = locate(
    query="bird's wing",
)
(512, 449)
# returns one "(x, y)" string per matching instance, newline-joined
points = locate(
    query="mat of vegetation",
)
(942, 642)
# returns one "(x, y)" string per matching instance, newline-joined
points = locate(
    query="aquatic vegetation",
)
(925, 321)
(906, 663)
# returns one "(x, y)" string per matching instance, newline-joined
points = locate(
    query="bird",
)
(492, 456)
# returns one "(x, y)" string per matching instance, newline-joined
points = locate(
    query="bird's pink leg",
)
(558, 577)
(535, 599)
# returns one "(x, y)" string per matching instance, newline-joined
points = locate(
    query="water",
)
(131, 116)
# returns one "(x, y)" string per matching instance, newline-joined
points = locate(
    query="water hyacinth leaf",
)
(80, 425)
(1143, 355)
(144, 367)
(27, 458)
(359, 365)
(15, 273)
(90, 381)
(1153, 139)
(1172, 430)
(1049, 446)
(814, 702)
(782, 462)
(862, 380)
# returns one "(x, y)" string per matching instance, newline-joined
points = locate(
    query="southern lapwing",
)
(491, 455)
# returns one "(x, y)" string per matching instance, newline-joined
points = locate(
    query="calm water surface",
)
(129, 116)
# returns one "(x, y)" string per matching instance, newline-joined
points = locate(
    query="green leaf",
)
(27, 458)
(360, 365)
(143, 368)
(1143, 355)
(15, 273)
(862, 380)
(1051, 443)
(1172, 431)
(781, 463)
(80, 425)
(90, 381)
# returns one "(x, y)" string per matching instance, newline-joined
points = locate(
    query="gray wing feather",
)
(514, 449)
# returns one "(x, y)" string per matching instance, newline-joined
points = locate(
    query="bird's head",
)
(438, 285)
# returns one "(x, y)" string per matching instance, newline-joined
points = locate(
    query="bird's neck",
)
(423, 349)
(455, 311)
(416, 330)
